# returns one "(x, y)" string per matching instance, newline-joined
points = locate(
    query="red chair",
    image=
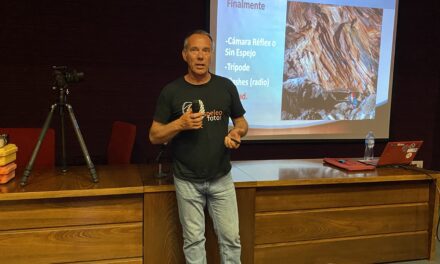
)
(121, 143)
(26, 139)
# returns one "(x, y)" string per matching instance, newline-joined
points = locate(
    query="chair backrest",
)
(26, 139)
(121, 143)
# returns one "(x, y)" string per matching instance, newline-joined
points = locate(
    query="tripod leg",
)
(30, 164)
(63, 141)
(82, 144)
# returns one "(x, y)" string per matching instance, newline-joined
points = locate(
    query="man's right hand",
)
(190, 120)
(161, 133)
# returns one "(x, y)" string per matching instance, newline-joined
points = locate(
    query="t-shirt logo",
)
(214, 115)
(187, 105)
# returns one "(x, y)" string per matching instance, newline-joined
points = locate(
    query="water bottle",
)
(369, 146)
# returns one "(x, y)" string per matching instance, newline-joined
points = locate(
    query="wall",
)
(130, 49)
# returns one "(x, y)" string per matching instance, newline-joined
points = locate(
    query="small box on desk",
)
(9, 172)
(8, 154)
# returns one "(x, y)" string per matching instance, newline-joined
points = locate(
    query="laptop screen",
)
(396, 153)
(399, 153)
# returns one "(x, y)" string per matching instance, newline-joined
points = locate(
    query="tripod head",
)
(63, 76)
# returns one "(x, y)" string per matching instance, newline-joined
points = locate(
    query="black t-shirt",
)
(200, 154)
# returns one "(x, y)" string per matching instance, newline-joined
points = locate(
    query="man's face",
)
(198, 55)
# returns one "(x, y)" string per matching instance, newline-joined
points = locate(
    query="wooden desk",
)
(308, 212)
(65, 218)
(301, 211)
(291, 211)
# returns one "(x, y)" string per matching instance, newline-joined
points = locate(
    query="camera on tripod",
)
(63, 76)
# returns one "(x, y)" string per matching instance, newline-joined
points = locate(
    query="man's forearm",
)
(240, 126)
(162, 133)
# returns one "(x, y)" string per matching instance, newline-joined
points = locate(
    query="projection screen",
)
(308, 69)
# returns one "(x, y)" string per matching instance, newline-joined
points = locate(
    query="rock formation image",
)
(330, 62)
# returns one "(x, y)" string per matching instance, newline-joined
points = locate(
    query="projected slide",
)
(308, 69)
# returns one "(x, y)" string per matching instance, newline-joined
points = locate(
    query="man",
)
(200, 144)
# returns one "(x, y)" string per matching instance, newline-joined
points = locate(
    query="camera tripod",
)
(62, 106)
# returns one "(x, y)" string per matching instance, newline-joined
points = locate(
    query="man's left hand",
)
(232, 140)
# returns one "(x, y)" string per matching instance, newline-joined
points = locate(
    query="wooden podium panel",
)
(339, 195)
(373, 222)
(65, 218)
(72, 244)
(24, 214)
(368, 249)
(163, 233)
(315, 224)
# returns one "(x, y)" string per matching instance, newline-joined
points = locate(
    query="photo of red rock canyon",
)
(331, 62)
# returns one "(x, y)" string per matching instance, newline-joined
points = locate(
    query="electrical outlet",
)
(418, 163)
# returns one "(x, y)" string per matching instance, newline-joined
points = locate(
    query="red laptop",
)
(396, 153)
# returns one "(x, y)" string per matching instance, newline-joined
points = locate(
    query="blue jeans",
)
(219, 196)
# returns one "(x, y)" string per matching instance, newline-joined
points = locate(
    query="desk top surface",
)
(139, 178)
